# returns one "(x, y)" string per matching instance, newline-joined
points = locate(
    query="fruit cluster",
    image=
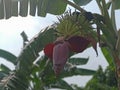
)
(73, 36)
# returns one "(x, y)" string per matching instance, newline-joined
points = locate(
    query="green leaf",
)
(51, 6)
(30, 52)
(4, 68)
(8, 8)
(17, 83)
(24, 36)
(8, 56)
(23, 8)
(25, 67)
(108, 56)
(8, 5)
(14, 8)
(108, 5)
(116, 4)
(62, 85)
(78, 61)
(33, 5)
(25, 61)
(47, 74)
(1, 9)
(56, 7)
(2, 75)
(41, 7)
(46, 37)
(82, 2)
(37, 83)
(76, 71)
(82, 71)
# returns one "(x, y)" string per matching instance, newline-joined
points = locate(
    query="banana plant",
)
(105, 23)
(34, 72)
(110, 33)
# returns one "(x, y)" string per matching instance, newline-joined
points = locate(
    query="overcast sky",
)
(11, 40)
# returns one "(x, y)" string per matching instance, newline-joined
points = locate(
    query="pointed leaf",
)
(82, 71)
(108, 56)
(24, 36)
(82, 2)
(94, 44)
(78, 61)
(76, 71)
(8, 56)
(5, 68)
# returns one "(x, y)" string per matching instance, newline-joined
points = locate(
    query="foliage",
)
(33, 72)
(6, 55)
(29, 75)
(10, 8)
(103, 80)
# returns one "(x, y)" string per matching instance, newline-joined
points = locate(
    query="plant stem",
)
(74, 5)
(113, 18)
(100, 6)
(117, 65)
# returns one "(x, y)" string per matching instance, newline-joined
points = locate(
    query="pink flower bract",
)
(78, 43)
(60, 56)
(48, 50)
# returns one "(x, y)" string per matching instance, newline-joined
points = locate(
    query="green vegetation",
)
(33, 72)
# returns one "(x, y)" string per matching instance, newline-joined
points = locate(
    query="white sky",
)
(11, 40)
(11, 29)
